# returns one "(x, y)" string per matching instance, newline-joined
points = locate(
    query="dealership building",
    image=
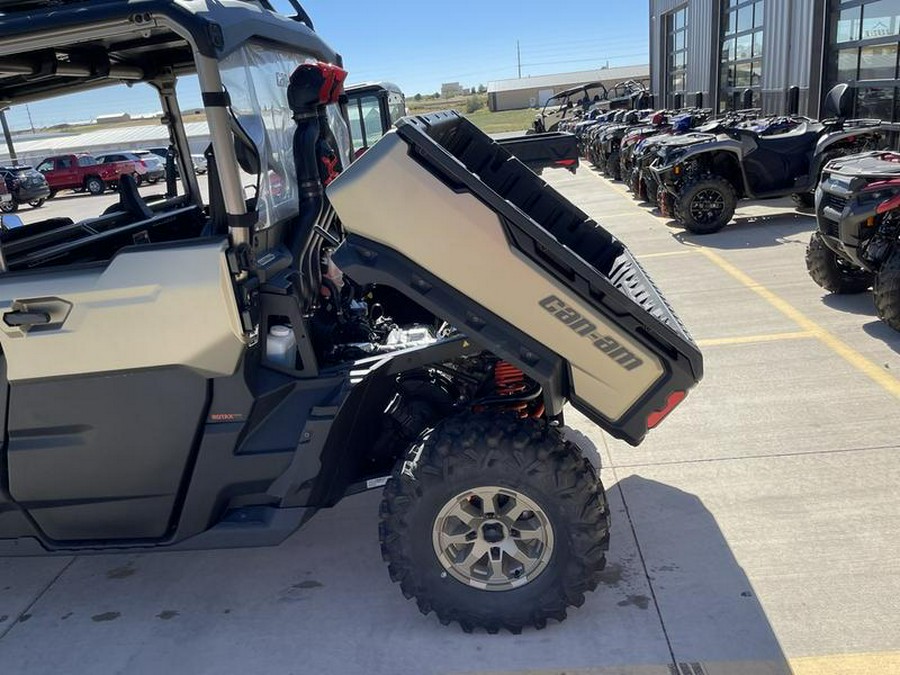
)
(722, 48)
(530, 92)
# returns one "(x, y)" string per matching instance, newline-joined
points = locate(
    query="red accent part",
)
(330, 163)
(654, 418)
(888, 205)
(566, 162)
(333, 84)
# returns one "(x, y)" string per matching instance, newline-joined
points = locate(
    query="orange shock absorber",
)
(510, 381)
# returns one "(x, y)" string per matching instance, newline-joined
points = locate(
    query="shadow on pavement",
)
(322, 603)
(752, 232)
(881, 331)
(858, 303)
(707, 604)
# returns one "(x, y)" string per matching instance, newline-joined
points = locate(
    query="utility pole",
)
(519, 58)
(30, 121)
(9, 143)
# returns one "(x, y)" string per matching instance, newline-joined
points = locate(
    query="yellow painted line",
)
(878, 375)
(883, 663)
(755, 339)
(667, 254)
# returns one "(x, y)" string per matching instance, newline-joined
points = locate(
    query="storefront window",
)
(676, 34)
(742, 51)
(864, 53)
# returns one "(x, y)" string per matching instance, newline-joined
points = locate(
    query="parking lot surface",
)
(757, 531)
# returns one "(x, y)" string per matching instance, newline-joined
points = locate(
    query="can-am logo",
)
(575, 321)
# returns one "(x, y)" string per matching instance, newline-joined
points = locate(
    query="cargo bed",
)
(556, 150)
(448, 215)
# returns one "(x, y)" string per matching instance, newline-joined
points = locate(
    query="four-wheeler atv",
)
(856, 245)
(190, 372)
(706, 178)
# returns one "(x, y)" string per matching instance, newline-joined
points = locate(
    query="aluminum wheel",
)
(707, 206)
(493, 538)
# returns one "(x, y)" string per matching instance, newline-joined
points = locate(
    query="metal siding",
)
(787, 51)
(702, 42)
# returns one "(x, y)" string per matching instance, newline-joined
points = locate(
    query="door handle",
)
(24, 319)
(36, 314)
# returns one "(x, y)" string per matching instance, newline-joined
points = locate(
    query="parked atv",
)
(196, 372)
(684, 134)
(856, 245)
(705, 179)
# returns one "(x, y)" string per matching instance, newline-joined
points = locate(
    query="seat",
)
(130, 200)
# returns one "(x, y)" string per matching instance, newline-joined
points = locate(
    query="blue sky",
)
(420, 44)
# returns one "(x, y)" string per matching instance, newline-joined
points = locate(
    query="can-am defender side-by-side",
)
(856, 245)
(189, 372)
(706, 178)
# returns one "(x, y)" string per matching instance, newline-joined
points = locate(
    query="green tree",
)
(417, 97)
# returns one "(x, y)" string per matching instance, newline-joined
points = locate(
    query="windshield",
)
(256, 77)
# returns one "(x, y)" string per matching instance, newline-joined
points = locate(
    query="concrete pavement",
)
(755, 532)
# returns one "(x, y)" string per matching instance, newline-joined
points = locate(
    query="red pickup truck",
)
(73, 172)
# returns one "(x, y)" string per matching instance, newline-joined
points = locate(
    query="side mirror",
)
(10, 222)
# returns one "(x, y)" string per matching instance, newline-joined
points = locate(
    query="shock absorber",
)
(511, 384)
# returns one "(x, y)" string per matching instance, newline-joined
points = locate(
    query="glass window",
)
(45, 166)
(849, 24)
(742, 54)
(847, 64)
(64, 163)
(744, 48)
(881, 19)
(759, 14)
(878, 62)
(875, 102)
(676, 34)
(757, 44)
(86, 161)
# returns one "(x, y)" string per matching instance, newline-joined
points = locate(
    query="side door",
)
(65, 173)
(109, 369)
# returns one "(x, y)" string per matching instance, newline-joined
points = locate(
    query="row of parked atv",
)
(694, 167)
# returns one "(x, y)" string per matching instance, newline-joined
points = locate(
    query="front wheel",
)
(36, 203)
(887, 291)
(9, 207)
(833, 273)
(495, 522)
(705, 205)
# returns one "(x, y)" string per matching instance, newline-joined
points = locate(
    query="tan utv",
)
(210, 366)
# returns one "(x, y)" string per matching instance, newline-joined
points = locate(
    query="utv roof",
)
(566, 93)
(375, 86)
(60, 46)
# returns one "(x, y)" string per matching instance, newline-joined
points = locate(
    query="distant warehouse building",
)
(723, 48)
(532, 92)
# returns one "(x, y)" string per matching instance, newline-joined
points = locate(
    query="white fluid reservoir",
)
(281, 346)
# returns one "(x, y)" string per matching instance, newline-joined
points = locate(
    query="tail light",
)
(142, 164)
(654, 418)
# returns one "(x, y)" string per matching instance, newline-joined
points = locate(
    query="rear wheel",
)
(9, 207)
(705, 205)
(495, 522)
(832, 272)
(36, 203)
(94, 185)
(887, 290)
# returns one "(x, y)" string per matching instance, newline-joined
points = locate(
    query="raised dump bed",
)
(441, 210)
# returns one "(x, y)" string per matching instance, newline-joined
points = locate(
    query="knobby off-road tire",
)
(887, 291)
(486, 469)
(804, 200)
(613, 168)
(831, 273)
(705, 204)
